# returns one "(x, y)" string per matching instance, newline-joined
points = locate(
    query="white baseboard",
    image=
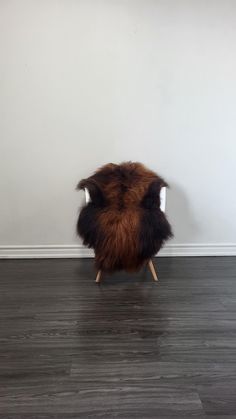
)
(79, 251)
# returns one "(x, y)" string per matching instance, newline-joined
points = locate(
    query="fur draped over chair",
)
(123, 222)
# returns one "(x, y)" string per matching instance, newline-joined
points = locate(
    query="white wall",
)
(92, 81)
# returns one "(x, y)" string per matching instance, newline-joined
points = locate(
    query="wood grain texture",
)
(129, 348)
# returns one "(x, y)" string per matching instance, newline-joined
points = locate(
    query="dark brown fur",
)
(123, 223)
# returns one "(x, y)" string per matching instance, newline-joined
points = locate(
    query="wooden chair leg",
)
(98, 277)
(152, 269)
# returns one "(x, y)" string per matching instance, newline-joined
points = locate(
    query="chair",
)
(150, 262)
(117, 191)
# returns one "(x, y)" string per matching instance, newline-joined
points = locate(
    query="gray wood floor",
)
(129, 348)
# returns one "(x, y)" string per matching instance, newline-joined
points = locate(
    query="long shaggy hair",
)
(123, 222)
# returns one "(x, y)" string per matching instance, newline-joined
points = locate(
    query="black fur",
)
(95, 192)
(88, 226)
(152, 197)
(154, 227)
(154, 231)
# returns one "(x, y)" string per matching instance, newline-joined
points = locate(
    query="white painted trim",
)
(79, 251)
(199, 249)
(44, 251)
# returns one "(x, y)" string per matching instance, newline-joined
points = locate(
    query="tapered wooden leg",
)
(152, 269)
(98, 277)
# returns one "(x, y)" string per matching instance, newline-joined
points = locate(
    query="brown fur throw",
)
(123, 222)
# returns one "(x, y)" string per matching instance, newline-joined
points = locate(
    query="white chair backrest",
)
(162, 198)
(87, 196)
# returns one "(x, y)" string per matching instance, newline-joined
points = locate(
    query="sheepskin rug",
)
(123, 222)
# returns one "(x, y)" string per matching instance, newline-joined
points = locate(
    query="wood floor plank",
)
(128, 348)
